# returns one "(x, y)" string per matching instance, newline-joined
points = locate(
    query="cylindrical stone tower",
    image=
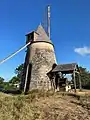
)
(39, 60)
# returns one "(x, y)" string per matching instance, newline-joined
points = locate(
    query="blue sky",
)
(70, 30)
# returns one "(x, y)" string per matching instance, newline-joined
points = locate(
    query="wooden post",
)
(74, 80)
(54, 84)
(26, 77)
(80, 85)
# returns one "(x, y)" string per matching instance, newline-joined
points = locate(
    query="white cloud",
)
(82, 51)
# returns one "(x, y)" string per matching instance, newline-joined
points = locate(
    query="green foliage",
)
(14, 80)
(1, 80)
(85, 77)
(7, 86)
(19, 70)
(1, 83)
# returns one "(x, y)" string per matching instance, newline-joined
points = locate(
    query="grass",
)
(44, 105)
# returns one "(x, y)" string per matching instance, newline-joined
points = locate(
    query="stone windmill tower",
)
(40, 58)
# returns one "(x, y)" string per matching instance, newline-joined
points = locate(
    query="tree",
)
(19, 70)
(1, 80)
(85, 77)
(14, 80)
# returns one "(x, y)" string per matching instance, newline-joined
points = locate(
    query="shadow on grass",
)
(11, 91)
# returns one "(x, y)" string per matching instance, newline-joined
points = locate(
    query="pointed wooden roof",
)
(42, 35)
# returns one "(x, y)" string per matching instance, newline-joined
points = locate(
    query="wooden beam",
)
(80, 85)
(26, 77)
(74, 80)
(77, 72)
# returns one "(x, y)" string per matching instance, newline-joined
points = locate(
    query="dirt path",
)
(61, 108)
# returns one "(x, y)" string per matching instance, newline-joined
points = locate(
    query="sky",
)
(70, 30)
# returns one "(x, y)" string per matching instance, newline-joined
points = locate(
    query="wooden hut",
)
(63, 69)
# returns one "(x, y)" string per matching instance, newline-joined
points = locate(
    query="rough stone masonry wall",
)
(42, 62)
